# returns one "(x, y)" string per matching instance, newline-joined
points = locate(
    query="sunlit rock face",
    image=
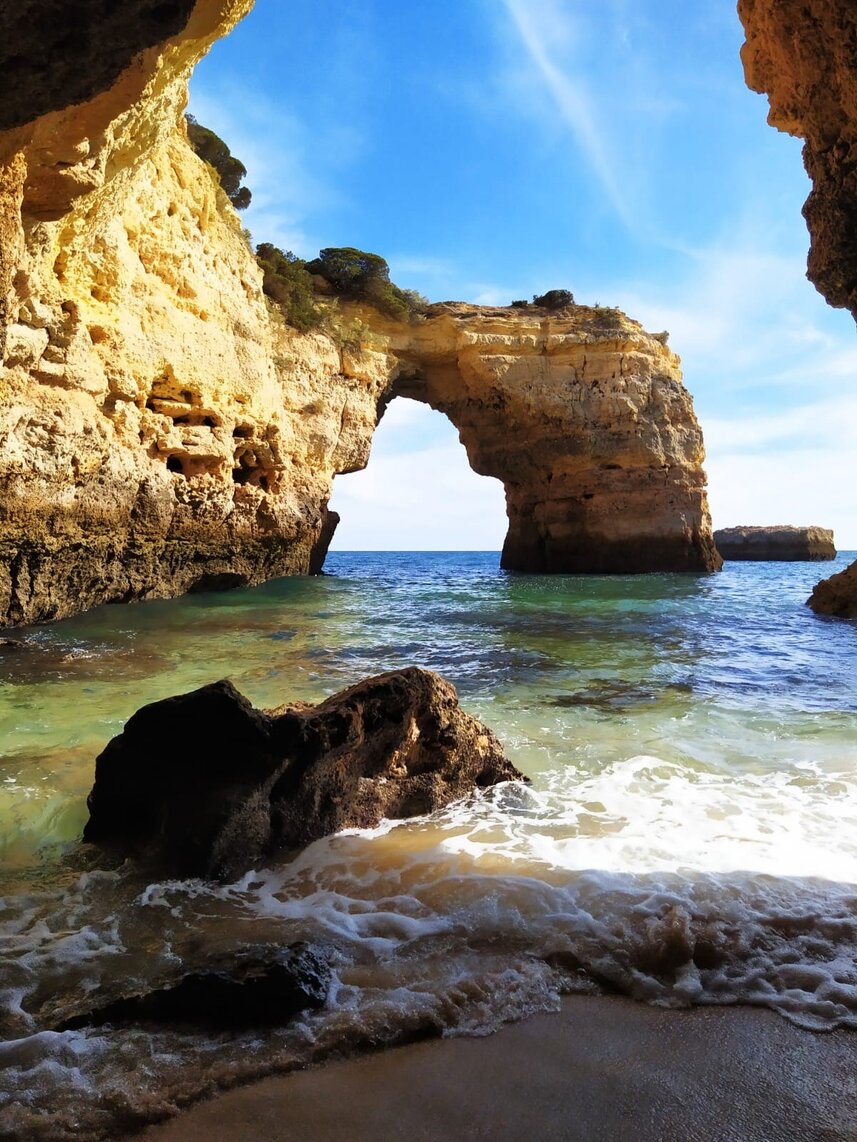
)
(583, 416)
(804, 58)
(163, 430)
(147, 445)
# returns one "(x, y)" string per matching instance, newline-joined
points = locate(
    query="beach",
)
(600, 1070)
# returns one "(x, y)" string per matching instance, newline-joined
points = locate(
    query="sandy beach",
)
(601, 1069)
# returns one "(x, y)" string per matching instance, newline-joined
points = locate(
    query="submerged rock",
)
(837, 595)
(263, 988)
(780, 543)
(206, 785)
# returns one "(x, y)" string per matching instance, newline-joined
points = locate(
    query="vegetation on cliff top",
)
(348, 272)
(365, 277)
(553, 299)
(285, 280)
(212, 150)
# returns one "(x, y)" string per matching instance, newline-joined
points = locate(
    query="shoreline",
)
(603, 1068)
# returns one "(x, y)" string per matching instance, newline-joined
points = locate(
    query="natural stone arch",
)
(583, 418)
(163, 429)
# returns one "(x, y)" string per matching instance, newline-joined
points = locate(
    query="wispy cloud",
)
(294, 174)
(543, 29)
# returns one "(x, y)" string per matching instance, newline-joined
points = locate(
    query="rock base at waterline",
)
(837, 595)
(264, 987)
(205, 785)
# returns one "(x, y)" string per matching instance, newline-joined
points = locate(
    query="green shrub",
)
(212, 150)
(520, 303)
(285, 279)
(554, 299)
(361, 276)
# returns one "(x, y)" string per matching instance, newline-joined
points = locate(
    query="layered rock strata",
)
(804, 58)
(584, 418)
(782, 543)
(205, 785)
(837, 595)
(163, 430)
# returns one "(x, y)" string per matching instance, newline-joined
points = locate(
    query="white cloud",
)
(418, 492)
(291, 173)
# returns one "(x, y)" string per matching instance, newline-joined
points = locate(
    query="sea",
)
(688, 836)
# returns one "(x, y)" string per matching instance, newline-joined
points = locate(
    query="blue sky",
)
(490, 149)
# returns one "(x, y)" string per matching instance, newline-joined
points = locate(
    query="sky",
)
(492, 149)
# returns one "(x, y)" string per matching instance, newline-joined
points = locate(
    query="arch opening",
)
(418, 492)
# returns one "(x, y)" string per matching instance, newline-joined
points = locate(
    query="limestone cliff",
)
(804, 57)
(583, 416)
(163, 430)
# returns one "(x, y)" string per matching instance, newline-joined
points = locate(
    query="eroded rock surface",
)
(205, 785)
(162, 429)
(781, 543)
(837, 595)
(804, 58)
(583, 416)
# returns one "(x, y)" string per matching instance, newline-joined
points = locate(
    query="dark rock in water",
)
(318, 554)
(11, 645)
(837, 595)
(265, 988)
(610, 696)
(205, 785)
(781, 543)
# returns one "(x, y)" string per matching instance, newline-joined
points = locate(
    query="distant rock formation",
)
(837, 595)
(782, 542)
(205, 785)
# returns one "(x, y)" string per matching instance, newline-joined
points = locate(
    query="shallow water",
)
(690, 835)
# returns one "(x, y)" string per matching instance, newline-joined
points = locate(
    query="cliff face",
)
(146, 444)
(804, 57)
(163, 430)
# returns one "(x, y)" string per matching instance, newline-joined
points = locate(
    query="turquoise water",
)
(692, 744)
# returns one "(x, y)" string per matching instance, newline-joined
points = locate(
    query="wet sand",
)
(602, 1070)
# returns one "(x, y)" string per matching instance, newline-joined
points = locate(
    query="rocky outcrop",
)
(253, 987)
(163, 430)
(206, 785)
(804, 58)
(780, 543)
(837, 595)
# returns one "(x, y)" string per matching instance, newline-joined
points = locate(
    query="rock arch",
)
(583, 417)
(162, 429)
